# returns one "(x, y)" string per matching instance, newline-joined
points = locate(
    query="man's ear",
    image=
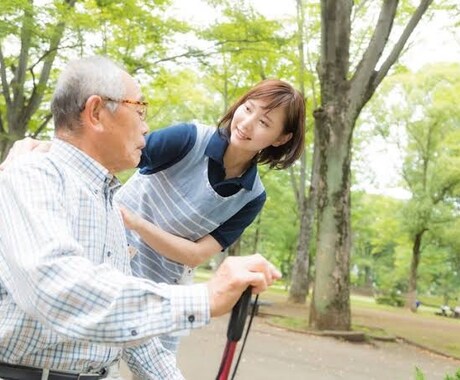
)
(91, 114)
(283, 139)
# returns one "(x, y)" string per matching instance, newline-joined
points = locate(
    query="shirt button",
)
(109, 253)
(176, 280)
(191, 318)
(133, 332)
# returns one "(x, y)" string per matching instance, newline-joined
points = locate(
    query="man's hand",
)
(234, 275)
(24, 146)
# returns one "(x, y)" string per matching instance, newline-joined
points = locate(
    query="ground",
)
(276, 353)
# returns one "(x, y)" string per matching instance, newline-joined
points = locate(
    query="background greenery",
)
(192, 72)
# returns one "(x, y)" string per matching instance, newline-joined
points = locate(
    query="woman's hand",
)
(130, 219)
(24, 146)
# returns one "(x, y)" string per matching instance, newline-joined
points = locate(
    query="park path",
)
(278, 354)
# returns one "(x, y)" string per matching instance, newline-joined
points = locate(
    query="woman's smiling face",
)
(254, 128)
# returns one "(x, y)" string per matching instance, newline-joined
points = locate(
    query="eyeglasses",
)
(141, 108)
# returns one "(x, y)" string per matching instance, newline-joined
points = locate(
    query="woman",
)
(202, 186)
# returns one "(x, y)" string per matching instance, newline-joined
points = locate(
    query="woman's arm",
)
(181, 250)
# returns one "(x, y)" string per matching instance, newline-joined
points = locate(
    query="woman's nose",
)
(247, 122)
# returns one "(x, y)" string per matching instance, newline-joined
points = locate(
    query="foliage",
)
(376, 242)
(37, 39)
(188, 82)
(456, 376)
(391, 299)
(420, 376)
(425, 111)
(278, 222)
(246, 47)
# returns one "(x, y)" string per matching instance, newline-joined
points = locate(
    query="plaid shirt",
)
(67, 299)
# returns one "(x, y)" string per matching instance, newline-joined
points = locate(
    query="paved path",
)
(273, 353)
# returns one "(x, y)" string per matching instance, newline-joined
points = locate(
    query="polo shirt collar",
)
(215, 150)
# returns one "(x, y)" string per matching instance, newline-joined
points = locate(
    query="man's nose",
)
(144, 127)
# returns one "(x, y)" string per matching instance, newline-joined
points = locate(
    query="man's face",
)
(124, 130)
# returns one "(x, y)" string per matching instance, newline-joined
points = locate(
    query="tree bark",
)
(300, 283)
(411, 297)
(331, 296)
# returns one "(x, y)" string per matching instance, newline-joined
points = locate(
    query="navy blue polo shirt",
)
(167, 146)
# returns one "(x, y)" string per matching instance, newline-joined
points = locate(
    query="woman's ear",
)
(284, 138)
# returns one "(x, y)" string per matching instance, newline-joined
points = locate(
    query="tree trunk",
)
(298, 290)
(301, 271)
(343, 95)
(255, 243)
(331, 295)
(411, 298)
(235, 248)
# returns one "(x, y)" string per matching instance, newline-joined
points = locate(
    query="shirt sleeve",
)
(167, 146)
(51, 279)
(228, 232)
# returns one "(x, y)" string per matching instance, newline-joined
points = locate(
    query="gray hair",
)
(79, 80)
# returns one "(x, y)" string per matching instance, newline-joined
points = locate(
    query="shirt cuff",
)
(190, 306)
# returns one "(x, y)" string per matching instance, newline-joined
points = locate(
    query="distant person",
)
(444, 310)
(456, 312)
(70, 307)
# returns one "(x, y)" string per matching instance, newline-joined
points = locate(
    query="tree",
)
(298, 290)
(36, 38)
(344, 92)
(37, 34)
(245, 48)
(426, 113)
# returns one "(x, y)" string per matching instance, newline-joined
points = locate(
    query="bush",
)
(390, 299)
(456, 376)
(420, 376)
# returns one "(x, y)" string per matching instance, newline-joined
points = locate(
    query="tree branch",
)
(37, 95)
(295, 185)
(20, 72)
(42, 126)
(394, 54)
(5, 86)
(366, 67)
(2, 127)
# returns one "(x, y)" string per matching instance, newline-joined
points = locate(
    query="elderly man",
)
(69, 306)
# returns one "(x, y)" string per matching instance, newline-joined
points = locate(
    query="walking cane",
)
(234, 333)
